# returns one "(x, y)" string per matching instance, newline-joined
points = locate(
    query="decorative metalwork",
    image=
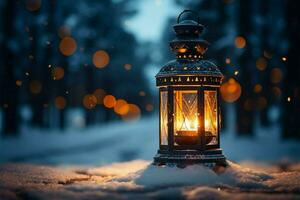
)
(189, 105)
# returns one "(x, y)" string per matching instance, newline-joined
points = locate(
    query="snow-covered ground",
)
(140, 180)
(122, 141)
(114, 162)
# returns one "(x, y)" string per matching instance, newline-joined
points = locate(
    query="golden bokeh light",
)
(89, 101)
(109, 101)
(67, 46)
(99, 94)
(268, 54)
(248, 105)
(60, 102)
(284, 59)
(257, 88)
(142, 93)
(149, 107)
(277, 92)
(57, 73)
(121, 107)
(231, 90)
(64, 31)
(100, 59)
(288, 99)
(276, 75)
(261, 103)
(33, 5)
(227, 61)
(35, 87)
(19, 83)
(261, 63)
(240, 42)
(133, 114)
(127, 67)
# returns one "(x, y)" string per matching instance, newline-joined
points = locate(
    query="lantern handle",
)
(191, 11)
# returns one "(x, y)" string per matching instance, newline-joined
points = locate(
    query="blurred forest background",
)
(74, 63)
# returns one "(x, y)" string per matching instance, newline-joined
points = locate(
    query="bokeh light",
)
(149, 107)
(109, 101)
(261, 63)
(60, 102)
(284, 59)
(142, 93)
(276, 91)
(57, 73)
(89, 101)
(133, 114)
(99, 94)
(227, 61)
(261, 103)
(268, 54)
(257, 88)
(19, 83)
(248, 105)
(230, 90)
(240, 42)
(100, 59)
(121, 107)
(64, 31)
(276, 75)
(127, 67)
(33, 5)
(67, 46)
(35, 87)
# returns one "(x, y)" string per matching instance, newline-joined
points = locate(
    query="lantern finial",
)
(188, 44)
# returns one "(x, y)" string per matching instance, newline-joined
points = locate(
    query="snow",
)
(122, 141)
(139, 179)
(113, 161)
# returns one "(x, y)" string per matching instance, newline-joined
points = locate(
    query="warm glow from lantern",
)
(182, 50)
(189, 125)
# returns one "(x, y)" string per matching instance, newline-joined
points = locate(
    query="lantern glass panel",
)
(163, 118)
(211, 117)
(185, 117)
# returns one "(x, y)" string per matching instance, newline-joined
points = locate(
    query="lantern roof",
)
(187, 67)
(189, 49)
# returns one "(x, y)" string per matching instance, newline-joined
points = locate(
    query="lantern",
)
(189, 100)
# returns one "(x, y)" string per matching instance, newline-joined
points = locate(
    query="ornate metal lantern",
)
(189, 101)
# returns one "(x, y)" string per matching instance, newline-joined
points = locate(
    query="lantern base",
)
(211, 158)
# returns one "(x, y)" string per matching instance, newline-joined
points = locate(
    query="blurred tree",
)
(291, 92)
(9, 92)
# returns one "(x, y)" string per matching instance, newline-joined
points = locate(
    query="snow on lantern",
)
(189, 100)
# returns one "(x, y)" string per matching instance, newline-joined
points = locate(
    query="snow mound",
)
(141, 174)
(140, 179)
